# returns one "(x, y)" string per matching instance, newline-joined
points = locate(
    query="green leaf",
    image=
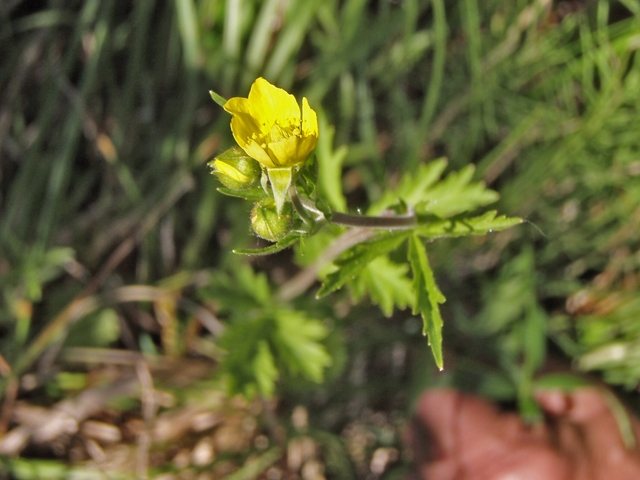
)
(220, 100)
(354, 260)
(240, 295)
(412, 187)
(453, 195)
(535, 341)
(433, 227)
(329, 182)
(258, 349)
(427, 297)
(297, 340)
(386, 283)
(242, 366)
(285, 242)
(456, 194)
(264, 369)
(509, 299)
(255, 284)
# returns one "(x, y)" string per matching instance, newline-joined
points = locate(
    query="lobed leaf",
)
(463, 225)
(354, 260)
(412, 187)
(423, 191)
(456, 194)
(386, 283)
(330, 166)
(297, 340)
(245, 364)
(427, 297)
(265, 370)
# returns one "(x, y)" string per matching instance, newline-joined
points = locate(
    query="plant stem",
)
(391, 222)
(395, 222)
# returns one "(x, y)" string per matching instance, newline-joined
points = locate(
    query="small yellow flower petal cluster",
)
(270, 128)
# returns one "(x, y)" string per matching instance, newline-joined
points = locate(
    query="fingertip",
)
(587, 403)
(554, 402)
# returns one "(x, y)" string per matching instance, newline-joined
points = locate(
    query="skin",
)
(462, 437)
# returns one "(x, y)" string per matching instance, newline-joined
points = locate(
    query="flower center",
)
(278, 131)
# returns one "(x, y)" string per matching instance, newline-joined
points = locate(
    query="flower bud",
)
(236, 170)
(266, 222)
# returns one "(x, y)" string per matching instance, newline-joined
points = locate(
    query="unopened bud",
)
(266, 222)
(236, 170)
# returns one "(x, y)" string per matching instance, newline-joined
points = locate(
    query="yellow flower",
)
(269, 127)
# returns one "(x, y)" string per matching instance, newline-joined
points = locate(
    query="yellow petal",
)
(240, 107)
(285, 151)
(270, 103)
(243, 125)
(231, 171)
(306, 146)
(257, 152)
(309, 119)
(269, 127)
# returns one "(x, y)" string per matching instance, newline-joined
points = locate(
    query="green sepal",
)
(280, 179)
(220, 100)
(281, 244)
(269, 224)
(252, 194)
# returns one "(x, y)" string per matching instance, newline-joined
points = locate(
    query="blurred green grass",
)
(106, 125)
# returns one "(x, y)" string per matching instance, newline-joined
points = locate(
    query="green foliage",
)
(354, 261)
(463, 225)
(424, 191)
(263, 339)
(330, 162)
(427, 297)
(32, 269)
(258, 350)
(443, 209)
(298, 340)
(103, 186)
(386, 283)
(610, 341)
(513, 316)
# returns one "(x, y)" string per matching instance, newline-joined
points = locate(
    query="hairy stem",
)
(389, 222)
(395, 222)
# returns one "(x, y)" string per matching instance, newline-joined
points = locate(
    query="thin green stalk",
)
(396, 222)
(392, 222)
